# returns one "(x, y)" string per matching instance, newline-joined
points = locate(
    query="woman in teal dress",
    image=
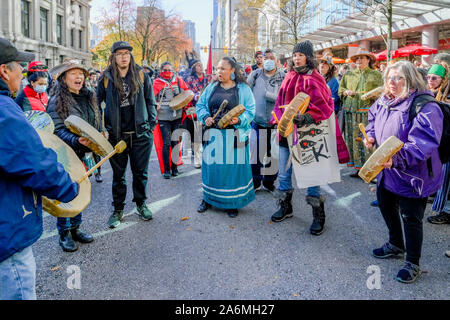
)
(227, 181)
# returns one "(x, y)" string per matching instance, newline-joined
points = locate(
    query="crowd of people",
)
(132, 103)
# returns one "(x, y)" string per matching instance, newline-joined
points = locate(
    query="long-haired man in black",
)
(130, 115)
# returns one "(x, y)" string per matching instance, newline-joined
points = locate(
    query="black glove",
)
(303, 120)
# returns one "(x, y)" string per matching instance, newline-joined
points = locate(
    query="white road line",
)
(154, 207)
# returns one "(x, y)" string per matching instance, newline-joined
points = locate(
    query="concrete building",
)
(52, 29)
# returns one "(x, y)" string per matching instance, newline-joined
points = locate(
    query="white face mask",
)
(269, 65)
(40, 89)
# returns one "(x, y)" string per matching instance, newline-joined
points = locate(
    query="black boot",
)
(98, 175)
(175, 170)
(285, 210)
(203, 206)
(81, 237)
(318, 208)
(66, 242)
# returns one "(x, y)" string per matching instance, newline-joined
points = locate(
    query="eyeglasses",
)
(123, 54)
(166, 70)
(395, 79)
(433, 78)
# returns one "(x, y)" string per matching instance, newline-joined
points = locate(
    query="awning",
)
(415, 50)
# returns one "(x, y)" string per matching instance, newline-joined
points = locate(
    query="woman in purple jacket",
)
(406, 181)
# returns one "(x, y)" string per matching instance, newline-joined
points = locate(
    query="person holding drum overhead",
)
(226, 171)
(28, 171)
(130, 115)
(70, 96)
(34, 95)
(353, 85)
(166, 87)
(413, 173)
(304, 78)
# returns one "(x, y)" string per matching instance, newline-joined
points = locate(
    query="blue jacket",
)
(27, 171)
(246, 98)
(333, 84)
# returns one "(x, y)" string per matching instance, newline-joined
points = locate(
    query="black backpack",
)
(444, 147)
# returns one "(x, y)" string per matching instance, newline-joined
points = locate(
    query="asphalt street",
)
(182, 254)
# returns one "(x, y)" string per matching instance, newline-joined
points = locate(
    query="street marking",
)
(189, 173)
(346, 201)
(154, 207)
(329, 190)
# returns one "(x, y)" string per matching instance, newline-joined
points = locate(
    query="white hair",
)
(413, 79)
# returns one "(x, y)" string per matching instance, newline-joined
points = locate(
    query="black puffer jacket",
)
(82, 108)
(144, 106)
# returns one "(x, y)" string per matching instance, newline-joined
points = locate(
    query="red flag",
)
(209, 67)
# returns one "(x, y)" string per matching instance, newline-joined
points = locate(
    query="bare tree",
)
(379, 13)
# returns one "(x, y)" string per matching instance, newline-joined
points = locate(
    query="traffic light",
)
(225, 50)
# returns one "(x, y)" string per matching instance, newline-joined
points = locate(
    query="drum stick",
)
(275, 117)
(118, 148)
(222, 106)
(363, 130)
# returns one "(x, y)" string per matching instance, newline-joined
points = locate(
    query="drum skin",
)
(374, 164)
(298, 104)
(40, 120)
(181, 100)
(233, 113)
(373, 94)
(99, 145)
(73, 165)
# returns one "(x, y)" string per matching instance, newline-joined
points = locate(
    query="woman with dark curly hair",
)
(70, 96)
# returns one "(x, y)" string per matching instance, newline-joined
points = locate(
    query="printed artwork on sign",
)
(312, 145)
(314, 154)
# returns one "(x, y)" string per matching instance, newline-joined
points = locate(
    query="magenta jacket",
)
(409, 176)
(320, 107)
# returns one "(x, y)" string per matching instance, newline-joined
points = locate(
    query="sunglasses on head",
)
(40, 67)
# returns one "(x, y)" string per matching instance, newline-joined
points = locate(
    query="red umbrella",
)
(381, 56)
(415, 50)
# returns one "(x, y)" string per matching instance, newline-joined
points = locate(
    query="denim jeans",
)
(396, 209)
(285, 176)
(64, 224)
(18, 276)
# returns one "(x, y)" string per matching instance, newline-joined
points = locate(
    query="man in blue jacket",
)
(27, 171)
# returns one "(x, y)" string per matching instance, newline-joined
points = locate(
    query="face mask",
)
(40, 89)
(167, 74)
(269, 65)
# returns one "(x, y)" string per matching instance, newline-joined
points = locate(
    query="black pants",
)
(138, 150)
(412, 212)
(167, 128)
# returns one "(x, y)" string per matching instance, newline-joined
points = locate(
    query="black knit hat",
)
(305, 47)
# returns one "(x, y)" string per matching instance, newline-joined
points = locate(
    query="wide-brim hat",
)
(363, 52)
(328, 59)
(66, 66)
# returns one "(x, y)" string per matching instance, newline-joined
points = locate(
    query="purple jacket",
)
(409, 175)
